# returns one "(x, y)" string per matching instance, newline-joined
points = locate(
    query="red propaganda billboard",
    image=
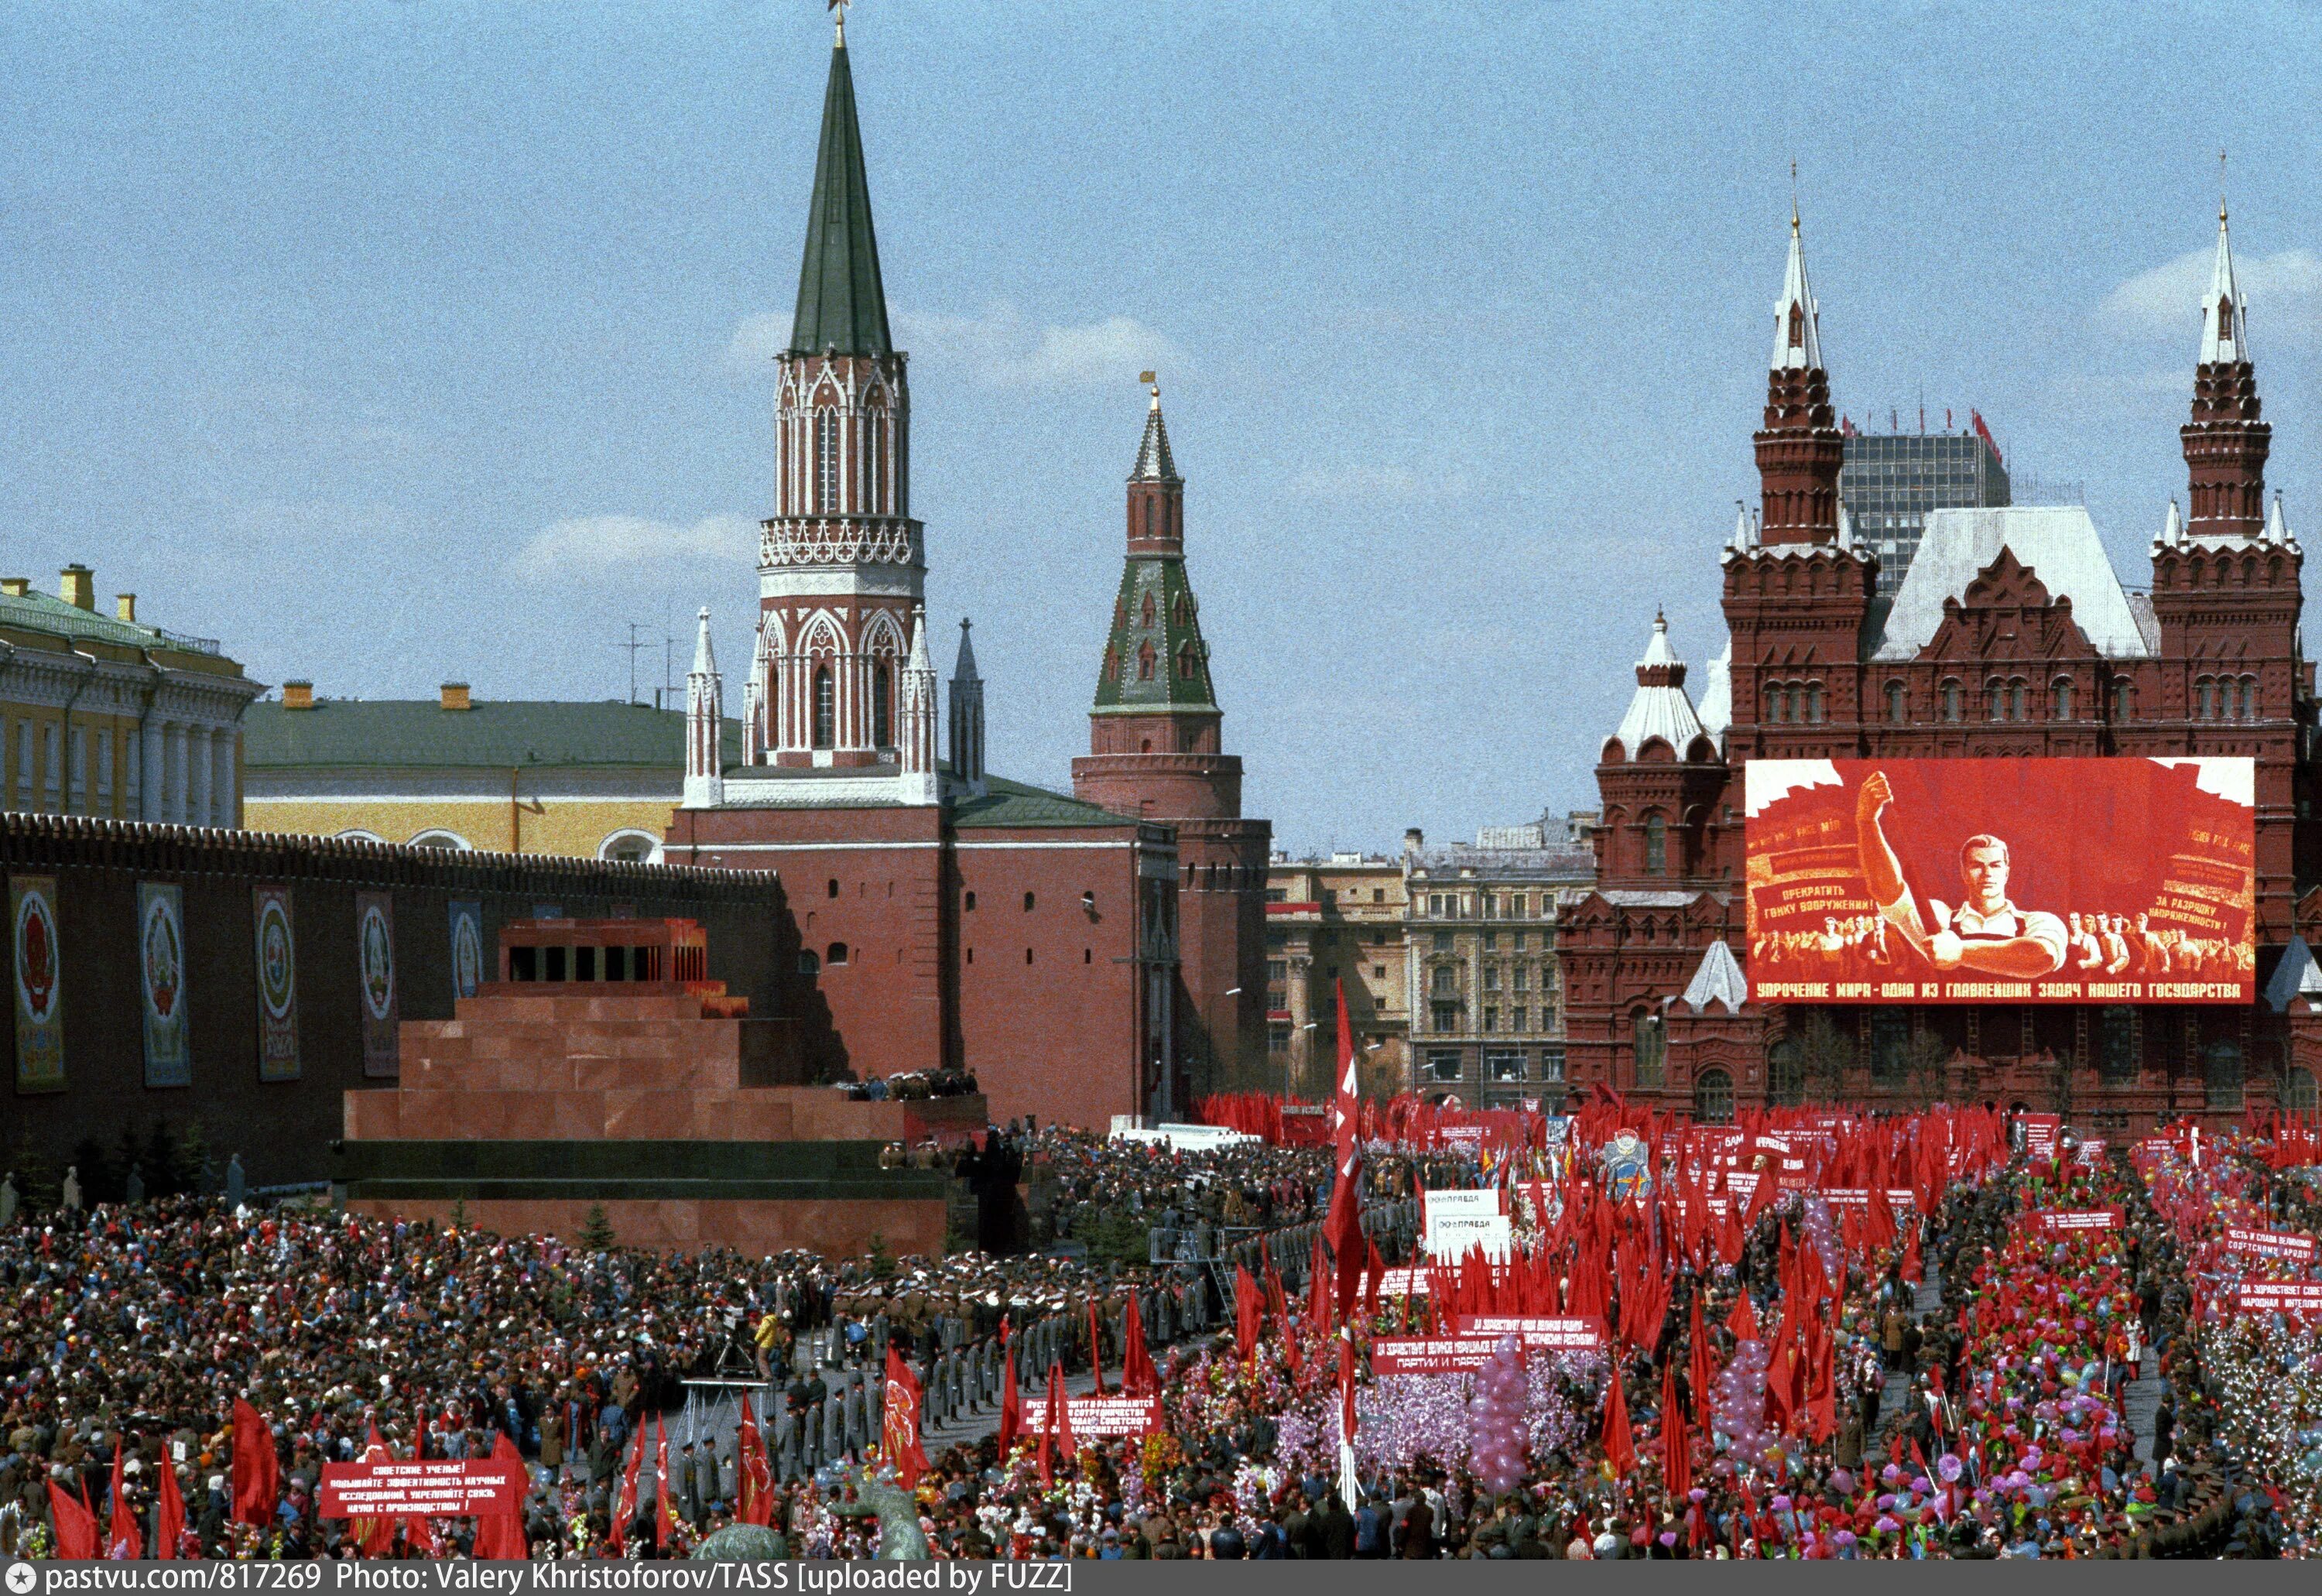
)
(2015, 880)
(2270, 1244)
(2298, 1298)
(1538, 1332)
(1432, 1355)
(1113, 1415)
(433, 1488)
(2070, 1221)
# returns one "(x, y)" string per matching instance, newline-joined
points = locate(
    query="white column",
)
(173, 808)
(197, 775)
(153, 757)
(222, 750)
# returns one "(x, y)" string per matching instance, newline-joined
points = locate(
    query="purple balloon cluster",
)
(1498, 1420)
(1823, 1236)
(1739, 1402)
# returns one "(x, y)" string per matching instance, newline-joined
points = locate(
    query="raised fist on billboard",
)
(1986, 931)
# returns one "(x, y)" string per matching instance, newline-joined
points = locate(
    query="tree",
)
(1825, 1053)
(882, 1258)
(1927, 1067)
(597, 1231)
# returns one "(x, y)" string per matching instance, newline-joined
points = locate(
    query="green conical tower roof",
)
(841, 304)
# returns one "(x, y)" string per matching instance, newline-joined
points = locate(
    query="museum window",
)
(1951, 708)
(1777, 704)
(2123, 699)
(2223, 1062)
(1897, 701)
(1995, 699)
(1815, 704)
(1656, 845)
(1786, 1078)
(2060, 699)
(2298, 1090)
(1650, 1040)
(826, 707)
(1712, 1098)
(2117, 1045)
(2248, 707)
(2204, 700)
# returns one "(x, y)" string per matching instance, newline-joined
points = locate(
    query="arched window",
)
(1777, 704)
(2019, 703)
(1656, 845)
(1995, 699)
(450, 841)
(1712, 1098)
(1786, 1078)
(882, 700)
(1652, 1047)
(1145, 612)
(808, 962)
(1952, 708)
(1028, 901)
(2060, 699)
(2124, 700)
(1145, 660)
(1148, 514)
(826, 460)
(830, 889)
(1896, 704)
(2249, 698)
(633, 847)
(2298, 1090)
(1188, 663)
(1797, 325)
(1815, 704)
(2223, 1059)
(874, 460)
(837, 954)
(2204, 700)
(1182, 610)
(826, 708)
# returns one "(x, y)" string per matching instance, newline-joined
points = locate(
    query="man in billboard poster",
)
(1985, 932)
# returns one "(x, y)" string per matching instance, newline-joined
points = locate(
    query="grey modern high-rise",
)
(1890, 480)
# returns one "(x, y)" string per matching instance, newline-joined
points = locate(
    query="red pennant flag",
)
(123, 1539)
(1344, 1225)
(754, 1472)
(499, 1536)
(168, 1513)
(1249, 1312)
(76, 1526)
(1318, 1287)
(1620, 1445)
(1011, 1401)
(1677, 1452)
(1057, 1432)
(899, 1430)
(1138, 1377)
(256, 1471)
(625, 1506)
(1701, 1369)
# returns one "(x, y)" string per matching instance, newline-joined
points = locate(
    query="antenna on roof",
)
(632, 645)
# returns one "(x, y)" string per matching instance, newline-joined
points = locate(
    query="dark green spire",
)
(841, 305)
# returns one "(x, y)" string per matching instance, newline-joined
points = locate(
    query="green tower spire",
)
(841, 304)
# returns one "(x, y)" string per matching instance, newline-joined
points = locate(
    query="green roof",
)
(1155, 611)
(1012, 804)
(841, 304)
(418, 733)
(45, 613)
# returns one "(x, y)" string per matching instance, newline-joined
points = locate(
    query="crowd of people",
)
(1992, 1354)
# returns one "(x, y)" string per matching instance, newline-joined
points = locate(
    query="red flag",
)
(123, 1539)
(1677, 1456)
(665, 1521)
(1012, 1402)
(1318, 1287)
(1374, 1272)
(1138, 1377)
(1620, 1445)
(1057, 1431)
(625, 1507)
(899, 1431)
(256, 1471)
(76, 1526)
(1701, 1369)
(1096, 1349)
(753, 1473)
(168, 1513)
(499, 1536)
(1249, 1310)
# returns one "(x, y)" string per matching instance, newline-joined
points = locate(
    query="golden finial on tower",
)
(2221, 186)
(838, 12)
(1793, 194)
(1154, 382)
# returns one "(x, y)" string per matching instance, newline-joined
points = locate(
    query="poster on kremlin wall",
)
(40, 985)
(162, 978)
(375, 973)
(278, 984)
(2016, 880)
(467, 947)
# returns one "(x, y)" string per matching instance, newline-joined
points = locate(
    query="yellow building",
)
(591, 780)
(1331, 920)
(107, 716)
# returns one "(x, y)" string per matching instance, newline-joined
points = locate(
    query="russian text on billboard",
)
(2015, 881)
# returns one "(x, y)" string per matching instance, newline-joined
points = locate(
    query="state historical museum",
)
(2013, 832)
(1087, 956)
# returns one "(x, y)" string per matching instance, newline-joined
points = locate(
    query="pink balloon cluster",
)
(1739, 1402)
(1497, 1416)
(1823, 1236)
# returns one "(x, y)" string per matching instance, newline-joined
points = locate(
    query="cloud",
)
(1005, 348)
(2284, 293)
(589, 546)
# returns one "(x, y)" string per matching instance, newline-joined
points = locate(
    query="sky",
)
(400, 343)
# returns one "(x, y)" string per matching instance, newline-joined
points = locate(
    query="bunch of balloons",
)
(1823, 1236)
(1498, 1418)
(1738, 1403)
